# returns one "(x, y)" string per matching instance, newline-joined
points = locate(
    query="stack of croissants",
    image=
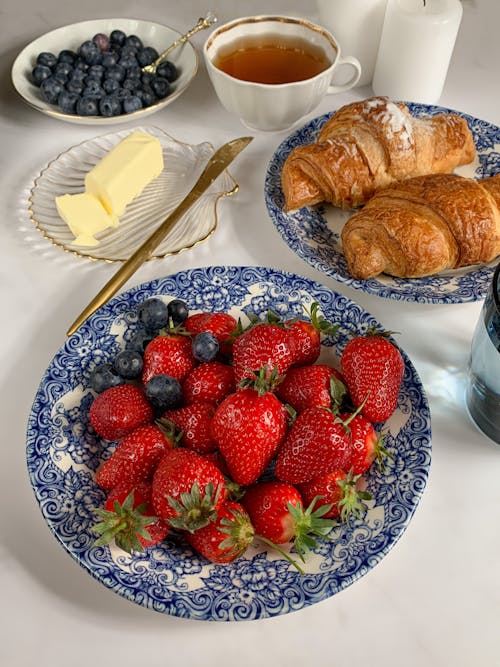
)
(417, 218)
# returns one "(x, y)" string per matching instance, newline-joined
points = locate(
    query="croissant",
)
(370, 144)
(424, 225)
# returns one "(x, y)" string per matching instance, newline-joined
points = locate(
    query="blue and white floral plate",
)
(314, 232)
(63, 454)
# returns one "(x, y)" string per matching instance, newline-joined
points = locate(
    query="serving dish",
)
(313, 233)
(63, 454)
(185, 58)
(183, 164)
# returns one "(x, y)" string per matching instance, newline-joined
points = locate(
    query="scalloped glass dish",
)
(183, 165)
(185, 58)
(63, 453)
(313, 233)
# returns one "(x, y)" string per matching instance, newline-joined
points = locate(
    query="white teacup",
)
(275, 106)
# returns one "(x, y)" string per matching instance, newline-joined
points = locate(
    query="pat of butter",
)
(125, 171)
(85, 216)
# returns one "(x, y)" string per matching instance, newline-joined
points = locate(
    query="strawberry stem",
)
(271, 544)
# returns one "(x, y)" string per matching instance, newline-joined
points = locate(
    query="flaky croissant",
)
(370, 144)
(424, 225)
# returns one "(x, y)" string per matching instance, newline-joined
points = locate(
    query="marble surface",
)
(435, 599)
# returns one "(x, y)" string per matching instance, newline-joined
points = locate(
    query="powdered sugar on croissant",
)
(369, 144)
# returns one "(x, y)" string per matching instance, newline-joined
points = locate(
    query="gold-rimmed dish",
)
(183, 164)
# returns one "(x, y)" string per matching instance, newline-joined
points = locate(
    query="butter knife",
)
(215, 166)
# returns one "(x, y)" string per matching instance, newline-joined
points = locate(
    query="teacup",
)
(300, 60)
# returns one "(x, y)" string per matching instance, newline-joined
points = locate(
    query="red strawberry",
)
(225, 538)
(194, 421)
(310, 386)
(210, 381)
(187, 489)
(367, 444)
(277, 515)
(128, 518)
(135, 457)
(248, 427)
(168, 354)
(222, 325)
(119, 410)
(337, 491)
(262, 345)
(317, 443)
(373, 369)
(307, 335)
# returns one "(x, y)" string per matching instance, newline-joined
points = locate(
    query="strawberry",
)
(210, 381)
(135, 457)
(338, 491)
(168, 354)
(307, 335)
(366, 443)
(222, 325)
(317, 443)
(311, 386)
(226, 537)
(249, 426)
(119, 410)
(128, 518)
(262, 345)
(187, 489)
(373, 369)
(277, 515)
(194, 422)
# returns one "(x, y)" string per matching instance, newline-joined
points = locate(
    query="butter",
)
(85, 216)
(125, 171)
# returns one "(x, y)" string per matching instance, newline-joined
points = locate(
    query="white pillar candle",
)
(357, 24)
(415, 49)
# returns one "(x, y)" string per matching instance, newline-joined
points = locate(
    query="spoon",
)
(202, 24)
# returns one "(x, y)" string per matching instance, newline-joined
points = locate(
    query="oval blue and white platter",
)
(63, 453)
(313, 233)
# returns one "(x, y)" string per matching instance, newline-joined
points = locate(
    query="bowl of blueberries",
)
(96, 72)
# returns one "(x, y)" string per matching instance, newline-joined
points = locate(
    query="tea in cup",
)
(273, 70)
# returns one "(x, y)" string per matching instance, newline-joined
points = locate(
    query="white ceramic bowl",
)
(159, 36)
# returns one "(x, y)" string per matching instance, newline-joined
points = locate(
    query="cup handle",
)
(353, 62)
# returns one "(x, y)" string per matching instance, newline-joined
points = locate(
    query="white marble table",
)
(434, 600)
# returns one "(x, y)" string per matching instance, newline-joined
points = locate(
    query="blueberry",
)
(128, 364)
(50, 89)
(164, 392)
(87, 106)
(134, 41)
(140, 340)
(177, 311)
(205, 346)
(67, 101)
(116, 72)
(146, 95)
(131, 104)
(147, 77)
(123, 93)
(96, 71)
(153, 314)
(110, 85)
(90, 52)
(109, 58)
(128, 61)
(110, 105)
(101, 41)
(74, 86)
(117, 37)
(46, 58)
(103, 377)
(93, 88)
(63, 68)
(40, 73)
(66, 56)
(134, 72)
(167, 70)
(160, 86)
(80, 64)
(132, 84)
(146, 56)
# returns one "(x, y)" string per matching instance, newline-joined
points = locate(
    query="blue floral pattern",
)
(313, 233)
(63, 453)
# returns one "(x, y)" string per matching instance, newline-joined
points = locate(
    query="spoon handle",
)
(202, 24)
